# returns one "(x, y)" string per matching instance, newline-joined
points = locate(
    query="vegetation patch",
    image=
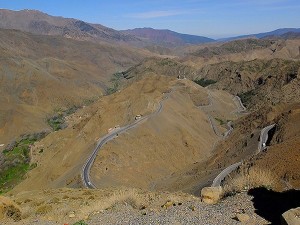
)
(57, 121)
(246, 96)
(167, 62)
(116, 82)
(81, 222)
(220, 121)
(15, 160)
(204, 82)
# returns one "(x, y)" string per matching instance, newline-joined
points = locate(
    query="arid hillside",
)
(40, 74)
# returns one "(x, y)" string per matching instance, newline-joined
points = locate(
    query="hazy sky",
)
(212, 18)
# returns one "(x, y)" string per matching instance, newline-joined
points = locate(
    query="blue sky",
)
(212, 18)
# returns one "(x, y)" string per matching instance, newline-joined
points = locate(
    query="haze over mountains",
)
(79, 82)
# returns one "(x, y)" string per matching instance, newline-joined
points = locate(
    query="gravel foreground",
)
(189, 212)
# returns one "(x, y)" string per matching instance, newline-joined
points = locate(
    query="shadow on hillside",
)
(270, 204)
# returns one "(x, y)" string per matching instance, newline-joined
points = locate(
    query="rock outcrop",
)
(211, 195)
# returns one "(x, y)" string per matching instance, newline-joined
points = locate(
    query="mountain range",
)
(282, 32)
(37, 22)
(167, 37)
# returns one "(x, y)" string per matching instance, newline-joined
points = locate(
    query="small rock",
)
(142, 207)
(167, 204)
(211, 195)
(72, 215)
(291, 217)
(192, 208)
(242, 217)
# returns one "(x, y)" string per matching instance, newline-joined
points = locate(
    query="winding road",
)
(88, 165)
(264, 137)
(217, 181)
(261, 146)
(242, 108)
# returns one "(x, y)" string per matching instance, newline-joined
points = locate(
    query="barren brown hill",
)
(37, 22)
(42, 73)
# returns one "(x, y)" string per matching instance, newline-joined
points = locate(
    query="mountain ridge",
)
(38, 22)
(275, 33)
(164, 36)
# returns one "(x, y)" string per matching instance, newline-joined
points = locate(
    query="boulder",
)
(211, 195)
(9, 209)
(242, 217)
(291, 217)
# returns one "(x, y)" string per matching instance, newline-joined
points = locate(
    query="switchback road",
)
(261, 146)
(87, 166)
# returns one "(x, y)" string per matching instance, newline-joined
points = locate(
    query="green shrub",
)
(221, 122)
(205, 82)
(81, 222)
(246, 96)
(16, 160)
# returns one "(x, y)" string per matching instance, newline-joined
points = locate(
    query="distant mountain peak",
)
(166, 37)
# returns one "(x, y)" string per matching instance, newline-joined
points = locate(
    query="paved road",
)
(217, 181)
(229, 129)
(210, 118)
(264, 137)
(243, 108)
(87, 166)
